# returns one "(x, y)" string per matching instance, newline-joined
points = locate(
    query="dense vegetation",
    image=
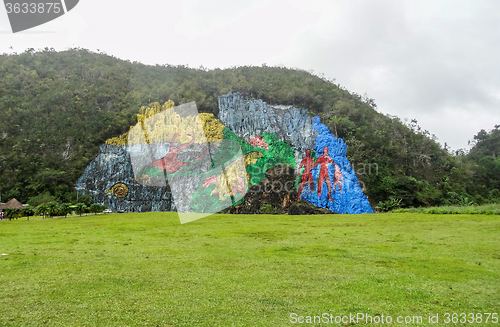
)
(53, 209)
(57, 108)
(484, 158)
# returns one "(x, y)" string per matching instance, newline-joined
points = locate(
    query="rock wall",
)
(109, 179)
(249, 119)
(348, 197)
(132, 177)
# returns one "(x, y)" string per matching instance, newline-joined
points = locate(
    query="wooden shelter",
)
(14, 204)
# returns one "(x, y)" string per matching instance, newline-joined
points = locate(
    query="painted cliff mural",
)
(329, 181)
(175, 159)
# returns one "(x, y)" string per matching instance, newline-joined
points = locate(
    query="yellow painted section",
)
(159, 124)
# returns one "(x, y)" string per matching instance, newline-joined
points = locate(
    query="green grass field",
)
(246, 270)
(487, 209)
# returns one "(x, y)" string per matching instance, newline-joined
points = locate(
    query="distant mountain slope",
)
(57, 108)
(484, 160)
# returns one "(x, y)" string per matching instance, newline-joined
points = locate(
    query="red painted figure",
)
(323, 161)
(307, 162)
(170, 163)
(336, 179)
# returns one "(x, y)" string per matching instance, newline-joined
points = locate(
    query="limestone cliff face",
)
(109, 179)
(250, 118)
(348, 197)
(132, 177)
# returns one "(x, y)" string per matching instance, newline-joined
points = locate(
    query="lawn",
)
(246, 270)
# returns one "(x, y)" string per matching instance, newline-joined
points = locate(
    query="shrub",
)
(95, 208)
(465, 202)
(268, 209)
(494, 196)
(389, 205)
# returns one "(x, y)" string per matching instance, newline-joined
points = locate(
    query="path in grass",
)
(148, 270)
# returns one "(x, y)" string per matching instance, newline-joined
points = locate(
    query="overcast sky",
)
(435, 61)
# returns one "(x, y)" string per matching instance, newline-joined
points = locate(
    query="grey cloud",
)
(415, 60)
(431, 60)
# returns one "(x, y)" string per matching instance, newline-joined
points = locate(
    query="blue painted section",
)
(352, 199)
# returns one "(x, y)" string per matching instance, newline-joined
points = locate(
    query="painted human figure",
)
(323, 161)
(170, 163)
(337, 176)
(307, 162)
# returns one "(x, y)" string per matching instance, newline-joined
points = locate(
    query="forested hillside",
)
(484, 162)
(57, 108)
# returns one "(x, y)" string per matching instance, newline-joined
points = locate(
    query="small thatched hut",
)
(14, 204)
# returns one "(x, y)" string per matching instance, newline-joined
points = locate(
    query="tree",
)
(52, 208)
(80, 208)
(486, 144)
(39, 199)
(27, 212)
(65, 209)
(11, 213)
(42, 209)
(95, 208)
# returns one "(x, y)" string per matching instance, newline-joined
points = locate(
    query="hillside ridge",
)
(57, 108)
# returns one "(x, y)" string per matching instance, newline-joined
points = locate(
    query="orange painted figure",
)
(307, 162)
(170, 163)
(323, 161)
(336, 178)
